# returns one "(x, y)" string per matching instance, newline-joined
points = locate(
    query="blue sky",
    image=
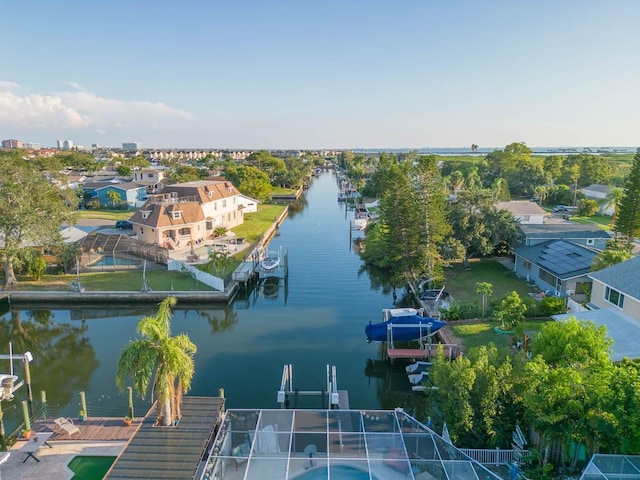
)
(321, 74)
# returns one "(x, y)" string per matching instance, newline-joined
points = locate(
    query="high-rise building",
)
(65, 144)
(31, 145)
(131, 146)
(11, 143)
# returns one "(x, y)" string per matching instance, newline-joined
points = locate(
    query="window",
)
(526, 264)
(209, 225)
(224, 203)
(614, 296)
(547, 277)
(177, 214)
(519, 238)
(590, 241)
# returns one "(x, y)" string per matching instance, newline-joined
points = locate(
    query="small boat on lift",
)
(410, 323)
(270, 261)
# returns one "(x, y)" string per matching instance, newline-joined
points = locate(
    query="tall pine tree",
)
(628, 210)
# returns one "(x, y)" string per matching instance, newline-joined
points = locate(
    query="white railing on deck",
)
(492, 457)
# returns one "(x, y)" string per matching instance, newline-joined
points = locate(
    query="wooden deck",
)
(450, 351)
(92, 429)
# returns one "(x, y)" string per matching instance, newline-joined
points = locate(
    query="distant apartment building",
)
(11, 143)
(65, 144)
(131, 146)
(31, 146)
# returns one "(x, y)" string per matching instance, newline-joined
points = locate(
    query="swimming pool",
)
(338, 472)
(111, 261)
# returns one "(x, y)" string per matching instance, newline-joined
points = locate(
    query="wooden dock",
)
(427, 351)
(91, 429)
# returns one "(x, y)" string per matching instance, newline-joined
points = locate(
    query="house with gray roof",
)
(615, 304)
(618, 287)
(599, 193)
(524, 211)
(556, 265)
(589, 235)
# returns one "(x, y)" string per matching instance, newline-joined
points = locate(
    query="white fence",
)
(492, 457)
(575, 307)
(204, 277)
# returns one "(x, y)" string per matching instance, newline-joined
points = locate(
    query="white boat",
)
(270, 261)
(7, 384)
(359, 223)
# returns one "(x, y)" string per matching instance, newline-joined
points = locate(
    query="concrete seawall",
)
(101, 297)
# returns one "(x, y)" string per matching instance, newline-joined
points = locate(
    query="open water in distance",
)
(317, 319)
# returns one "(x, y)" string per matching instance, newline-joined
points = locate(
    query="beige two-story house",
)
(188, 212)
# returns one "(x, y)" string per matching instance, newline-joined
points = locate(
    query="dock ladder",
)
(286, 388)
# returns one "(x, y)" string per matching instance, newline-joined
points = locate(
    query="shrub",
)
(553, 305)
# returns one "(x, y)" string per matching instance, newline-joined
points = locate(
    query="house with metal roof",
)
(590, 235)
(556, 265)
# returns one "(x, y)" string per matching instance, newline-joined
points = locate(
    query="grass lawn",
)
(255, 224)
(461, 283)
(104, 214)
(475, 334)
(160, 279)
(87, 467)
(603, 221)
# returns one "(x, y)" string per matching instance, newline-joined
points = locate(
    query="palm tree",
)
(159, 359)
(612, 255)
(613, 200)
(486, 290)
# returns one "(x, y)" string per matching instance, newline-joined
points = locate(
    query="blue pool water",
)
(338, 472)
(111, 261)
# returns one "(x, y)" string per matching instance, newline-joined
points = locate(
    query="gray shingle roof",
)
(561, 258)
(624, 277)
(565, 231)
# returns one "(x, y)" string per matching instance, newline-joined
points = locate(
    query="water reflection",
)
(313, 318)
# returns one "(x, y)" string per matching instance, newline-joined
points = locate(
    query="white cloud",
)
(39, 111)
(79, 110)
(75, 85)
(7, 85)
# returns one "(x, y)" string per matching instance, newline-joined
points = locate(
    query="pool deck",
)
(99, 436)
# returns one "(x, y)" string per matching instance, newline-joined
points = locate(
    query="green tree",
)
(510, 311)
(160, 360)
(588, 207)
(251, 181)
(123, 170)
(478, 225)
(114, 197)
(627, 220)
(186, 173)
(486, 290)
(613, 200)
(32, 210)
(569, 396)
(614, 253)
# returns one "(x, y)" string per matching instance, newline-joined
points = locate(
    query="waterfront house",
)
(525, 212)
(558, 266)
(188, 212)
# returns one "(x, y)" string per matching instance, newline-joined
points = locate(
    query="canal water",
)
(315, 318)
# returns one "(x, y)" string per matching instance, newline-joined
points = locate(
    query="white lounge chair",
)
(67, 425)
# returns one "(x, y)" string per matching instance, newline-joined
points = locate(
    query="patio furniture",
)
(67, 425)
(31, 446)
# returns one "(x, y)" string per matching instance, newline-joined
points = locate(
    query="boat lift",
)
(337, 399)
(9, 382)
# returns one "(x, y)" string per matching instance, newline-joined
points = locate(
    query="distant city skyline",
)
(321, 75)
